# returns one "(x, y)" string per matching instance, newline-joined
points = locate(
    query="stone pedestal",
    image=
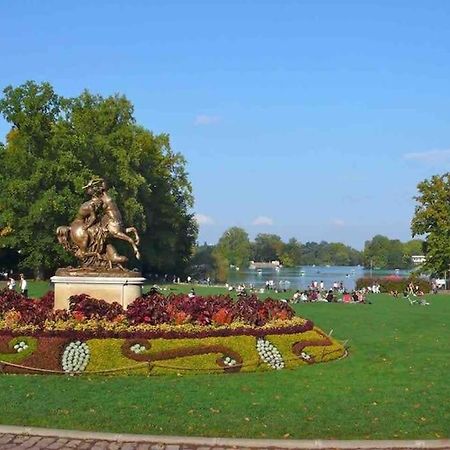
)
(122, 290)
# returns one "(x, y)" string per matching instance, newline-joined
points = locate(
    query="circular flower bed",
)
(157, 335)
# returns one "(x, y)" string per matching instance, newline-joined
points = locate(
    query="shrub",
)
(149, 308)
(390, 284)
(155, 309)
(255, 312)
(48, 300)
(9, 299)
(30, 311)
(85, 307)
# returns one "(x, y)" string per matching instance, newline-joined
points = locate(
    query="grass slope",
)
(394, 384)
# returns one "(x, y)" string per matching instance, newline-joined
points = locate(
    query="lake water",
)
(302, 277)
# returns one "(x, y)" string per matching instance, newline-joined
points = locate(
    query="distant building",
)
(265, 265)
(418, 259)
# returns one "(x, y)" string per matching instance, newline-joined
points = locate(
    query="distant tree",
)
(338, 254)
(333, 253)
(234, 247)
(432, 220)
(56, 145)
(203, 263)
(396, 255)
(292, 253)
(310, 252)
(376, 252)
(268, 247)
(413, 247)
(386, 253)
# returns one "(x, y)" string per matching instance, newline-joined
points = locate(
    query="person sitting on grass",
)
(330, 296)
(362, 298)
(296, 297)
(346, 297)
(421, 298)
(394, 293)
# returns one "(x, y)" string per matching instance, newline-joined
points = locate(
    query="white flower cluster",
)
(137, 348)
(230, 362)
(305, 356)
(269, 354)
(20, 346)
(75, 357)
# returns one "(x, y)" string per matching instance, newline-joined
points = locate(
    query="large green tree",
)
(432, 220)
(57, 144)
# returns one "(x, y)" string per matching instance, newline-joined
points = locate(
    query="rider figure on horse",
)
(97, 220)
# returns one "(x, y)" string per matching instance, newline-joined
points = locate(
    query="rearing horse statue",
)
(112, 220)
(97, 220)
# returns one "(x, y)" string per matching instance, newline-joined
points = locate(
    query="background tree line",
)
(234, 248)
(54, 146)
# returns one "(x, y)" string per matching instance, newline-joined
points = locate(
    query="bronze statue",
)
(97, 221)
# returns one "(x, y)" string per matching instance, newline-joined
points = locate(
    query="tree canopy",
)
(432, 219)
(57, 144)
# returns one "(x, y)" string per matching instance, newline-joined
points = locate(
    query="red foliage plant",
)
(155, 309)
(85, 307)
(222, 317)
(32, 311)
(152, 309)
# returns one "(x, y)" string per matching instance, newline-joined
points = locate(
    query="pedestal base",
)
(122, 290)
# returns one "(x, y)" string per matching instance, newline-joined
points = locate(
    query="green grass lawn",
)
(394, 384)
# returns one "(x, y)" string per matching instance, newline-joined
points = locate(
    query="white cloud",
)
(429, 157)
(338, 223)
(202, 219)
(204, 119)
(262, 220)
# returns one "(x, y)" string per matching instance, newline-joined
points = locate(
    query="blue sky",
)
(312, 119)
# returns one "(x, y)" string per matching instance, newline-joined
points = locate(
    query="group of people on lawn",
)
(413, 293)
(330, 296)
